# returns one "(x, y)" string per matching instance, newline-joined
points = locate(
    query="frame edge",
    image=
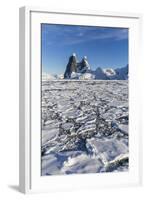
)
(24, 103)
(24, 91)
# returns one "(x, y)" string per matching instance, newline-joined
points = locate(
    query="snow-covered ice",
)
(84, 127)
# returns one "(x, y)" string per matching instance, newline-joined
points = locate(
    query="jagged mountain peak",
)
(74, 54)
(82, 70)
(75, 66)
(71, 66)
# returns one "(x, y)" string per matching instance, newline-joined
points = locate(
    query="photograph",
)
(84, 99)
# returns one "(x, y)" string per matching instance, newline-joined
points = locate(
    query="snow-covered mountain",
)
(46, 76)
(111, 74)
(121, 73)
(82, 71)
(100, 74)
(74, 66)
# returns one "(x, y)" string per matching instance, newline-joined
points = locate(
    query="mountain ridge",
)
(82, 71)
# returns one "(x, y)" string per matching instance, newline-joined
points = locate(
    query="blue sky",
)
(103, 46)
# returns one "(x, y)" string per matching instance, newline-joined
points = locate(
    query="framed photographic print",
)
(79, 100)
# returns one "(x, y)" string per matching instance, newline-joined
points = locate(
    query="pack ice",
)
(84, 127)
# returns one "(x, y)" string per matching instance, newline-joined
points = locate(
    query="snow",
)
(60, 76)
(110, 148)
(74, 54)
(46, 76)
(109, 71)
(75, 75)
(84, 127)
(88, 74)
(82, 164)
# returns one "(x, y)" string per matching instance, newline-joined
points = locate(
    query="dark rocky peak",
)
(83, 66)
(71, 66)
(75, 66)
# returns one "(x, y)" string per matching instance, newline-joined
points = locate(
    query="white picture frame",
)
(29, 143)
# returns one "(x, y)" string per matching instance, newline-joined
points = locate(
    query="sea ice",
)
(84, 127)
